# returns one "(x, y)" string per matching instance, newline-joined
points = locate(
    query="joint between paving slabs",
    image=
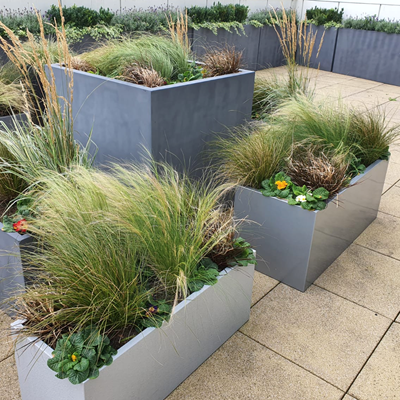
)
(269, 291)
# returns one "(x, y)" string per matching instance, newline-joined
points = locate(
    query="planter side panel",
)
(247, 43)
(369, 55)
(12, 279)
(155, 362)
(342, 222)
(9, 120)
(117, 114)
(281, 235)
(324, 61)
(186, 117)
(270, 51)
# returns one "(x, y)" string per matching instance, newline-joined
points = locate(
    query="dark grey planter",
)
(270, 52)
(326, 55)
(369, 55)
(9, 120)
(87, 43)
(12, 280)
(294, 245)
(247, 43)
(172, 122)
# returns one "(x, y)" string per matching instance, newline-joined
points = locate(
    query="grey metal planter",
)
(248, 43)
(172, 122)
(155, 362)
(295, 246)
(326, 55)
(369, 55)
(10, 119)
(270, 51)
(12, 279)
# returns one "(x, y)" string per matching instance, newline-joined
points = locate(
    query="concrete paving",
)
(337, 341)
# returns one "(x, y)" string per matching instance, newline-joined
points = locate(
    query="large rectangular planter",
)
(270, 51)
(247, 43)
(369, 55)
(172, 122)
(326, 55)
(294, 245)
(155, 362)
(12, 280)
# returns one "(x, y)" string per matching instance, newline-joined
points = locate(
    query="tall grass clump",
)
(114, 244)
(361, 137)
(51, 144)
(297, 44)
(251, 153)
(12, 99)
(159, 52)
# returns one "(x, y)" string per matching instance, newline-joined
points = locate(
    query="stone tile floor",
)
(341, 338)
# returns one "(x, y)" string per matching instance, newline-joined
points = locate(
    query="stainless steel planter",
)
(172, 122)
(155, 362)
(9, 120)
(295, 246)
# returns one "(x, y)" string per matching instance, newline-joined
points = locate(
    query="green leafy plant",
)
(18, 221)
(245, 256)
(218, 13)
(205, 274)
(372, 23)
(79, 356)
(156, 313)
(281, 186)
(322, 16)
(193, 74)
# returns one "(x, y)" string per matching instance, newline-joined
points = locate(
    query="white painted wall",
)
(43, 5)
(390, 9)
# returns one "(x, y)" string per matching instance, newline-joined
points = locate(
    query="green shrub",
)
(322, 16)
(267, 15)
(80, 17)
(218, 13)
(19, 21)
(372, 23)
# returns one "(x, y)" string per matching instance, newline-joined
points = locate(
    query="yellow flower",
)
(281, 184)
(74, 357)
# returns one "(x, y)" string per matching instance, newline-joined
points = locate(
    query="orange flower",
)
(74, 357)
(281, 184)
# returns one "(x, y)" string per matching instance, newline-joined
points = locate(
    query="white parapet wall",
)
(115, 5)
(390, 9)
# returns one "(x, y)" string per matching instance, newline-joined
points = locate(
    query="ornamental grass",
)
(251, 153)
(114, 244)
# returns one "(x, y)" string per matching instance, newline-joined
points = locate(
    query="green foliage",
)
(80, 17)
(218, 13)
(79, 356)
(156, 313)
(372, 23)
(154, 19)
(19, 21)
(167, 57)
(322, 16)
(266, 16)
(230, 27)
(193, 74)
(24, 212)
(246, 257)
(251, 153)
(282, 187)
(205, 274)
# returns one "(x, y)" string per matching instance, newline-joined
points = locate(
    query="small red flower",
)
(21, 226)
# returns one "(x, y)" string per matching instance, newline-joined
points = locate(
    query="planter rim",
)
(353, 182)
(15, 235)
(165, 87)
(43, 347)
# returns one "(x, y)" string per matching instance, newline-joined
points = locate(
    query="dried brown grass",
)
(81, 65)
(143, 76)
(311, 167)
(222, 61)
(179, 30)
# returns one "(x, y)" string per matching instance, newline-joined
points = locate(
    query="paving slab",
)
(243, 369)
(262, 284)
(388, 88)
(318, 330)
(386, 187)
(9, 386)
(367, 278)
(377, 96)
(347, 397)
(393, 173)
(380, 378)
(383, 235)
(398, 319)
(340, 90)
(366, 84)
(390, 202)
